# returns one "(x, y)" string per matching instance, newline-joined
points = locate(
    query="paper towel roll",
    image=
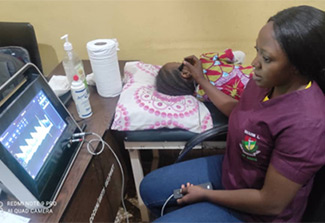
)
(102, 54)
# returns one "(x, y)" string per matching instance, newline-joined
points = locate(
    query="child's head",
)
(171, 81)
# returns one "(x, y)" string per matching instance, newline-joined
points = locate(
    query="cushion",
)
(16, 51)
(9, 65)
(141, 107)
(224, 73)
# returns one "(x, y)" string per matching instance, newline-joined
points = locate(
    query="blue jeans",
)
(158, 185)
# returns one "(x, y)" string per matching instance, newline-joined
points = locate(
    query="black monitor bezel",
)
(49, 179)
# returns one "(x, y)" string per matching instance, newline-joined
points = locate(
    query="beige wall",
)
(154, 31)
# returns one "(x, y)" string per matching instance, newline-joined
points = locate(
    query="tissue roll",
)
(102, 54)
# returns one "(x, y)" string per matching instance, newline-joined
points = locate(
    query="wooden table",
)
(84, 183)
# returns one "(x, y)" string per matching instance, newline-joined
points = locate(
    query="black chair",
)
(21, 34)
(214, 134)
(315, 211)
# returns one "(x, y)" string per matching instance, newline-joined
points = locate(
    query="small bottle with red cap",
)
(81, 97)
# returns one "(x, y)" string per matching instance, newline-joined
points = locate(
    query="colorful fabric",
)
(221, 71)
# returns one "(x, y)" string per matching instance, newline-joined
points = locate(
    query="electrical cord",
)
(92, 152)
(99, 139)
(122, 173)
(163, 207)
(198, 108)
(200, 127)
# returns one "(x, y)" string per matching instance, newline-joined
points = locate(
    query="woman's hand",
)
(223, 102)
(191, 194)
(194, 66)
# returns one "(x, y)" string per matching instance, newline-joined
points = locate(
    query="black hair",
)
(171, 82)
(300, 31)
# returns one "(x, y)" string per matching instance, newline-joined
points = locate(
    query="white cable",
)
(163, 207)
(122, 173)
(100, 139)
(198, 108)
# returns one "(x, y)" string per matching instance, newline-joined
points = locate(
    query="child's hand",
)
(191, 194)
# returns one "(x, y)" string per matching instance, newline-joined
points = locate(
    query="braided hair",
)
(171, 82)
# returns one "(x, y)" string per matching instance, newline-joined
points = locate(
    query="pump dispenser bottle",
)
(72, 64)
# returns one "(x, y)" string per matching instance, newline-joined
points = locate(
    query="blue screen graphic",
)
(32, 135)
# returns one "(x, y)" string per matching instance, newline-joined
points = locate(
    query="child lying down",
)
(224, 71)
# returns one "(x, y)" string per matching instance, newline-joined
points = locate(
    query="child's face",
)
(174, 66)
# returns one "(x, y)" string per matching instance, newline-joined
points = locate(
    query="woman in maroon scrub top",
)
(276, 138)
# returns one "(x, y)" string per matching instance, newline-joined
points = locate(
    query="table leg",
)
(155, 159)
(138, 176)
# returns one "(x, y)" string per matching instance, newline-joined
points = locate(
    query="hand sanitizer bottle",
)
(72, 64)
(80, 97)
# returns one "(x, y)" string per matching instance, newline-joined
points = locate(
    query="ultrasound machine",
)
(36, 129)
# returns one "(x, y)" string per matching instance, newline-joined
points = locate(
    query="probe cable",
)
(91, 150)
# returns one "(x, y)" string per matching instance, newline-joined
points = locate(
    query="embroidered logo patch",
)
(249, 146)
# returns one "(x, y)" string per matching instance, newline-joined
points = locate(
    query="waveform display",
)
(31, 137)
(36, 138)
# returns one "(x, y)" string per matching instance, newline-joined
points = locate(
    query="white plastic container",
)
(80, 97)
(72, 64)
